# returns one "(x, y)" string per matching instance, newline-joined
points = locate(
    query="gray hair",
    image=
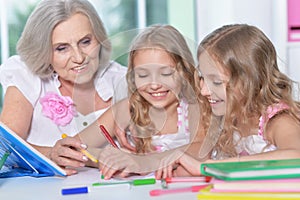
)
(35, 43)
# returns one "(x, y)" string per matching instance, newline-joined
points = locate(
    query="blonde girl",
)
(248, 96)
(168, 42)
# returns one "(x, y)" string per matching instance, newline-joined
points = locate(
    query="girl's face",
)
(213, 83)
(75, 50)
(155, 77)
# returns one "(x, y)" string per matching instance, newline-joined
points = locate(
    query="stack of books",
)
(261, 179)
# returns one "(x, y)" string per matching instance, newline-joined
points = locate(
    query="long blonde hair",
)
(250, 58)
(167, 38)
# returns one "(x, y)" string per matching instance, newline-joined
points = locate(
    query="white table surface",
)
(30, 188)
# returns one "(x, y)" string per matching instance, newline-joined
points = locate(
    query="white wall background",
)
(268, 15)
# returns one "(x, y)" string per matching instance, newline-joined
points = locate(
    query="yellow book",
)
(206, 194)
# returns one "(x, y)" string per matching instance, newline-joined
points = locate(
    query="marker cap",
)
(144, 181)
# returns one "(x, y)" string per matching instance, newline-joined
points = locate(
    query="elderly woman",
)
(62, 80)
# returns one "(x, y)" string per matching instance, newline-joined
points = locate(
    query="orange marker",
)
(85, 152)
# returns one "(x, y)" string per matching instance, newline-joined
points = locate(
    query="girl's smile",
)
(155, 77)
(213, 84)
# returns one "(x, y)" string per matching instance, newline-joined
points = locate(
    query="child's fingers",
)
(121, 136)
(124, 174)
(107, 172)
(158, 174)
(167, 171)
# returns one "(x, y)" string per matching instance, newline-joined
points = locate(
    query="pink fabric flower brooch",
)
(60, 109)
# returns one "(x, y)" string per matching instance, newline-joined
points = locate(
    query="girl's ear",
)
(197, 78)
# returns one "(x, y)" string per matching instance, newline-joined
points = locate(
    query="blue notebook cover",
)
(21, 159)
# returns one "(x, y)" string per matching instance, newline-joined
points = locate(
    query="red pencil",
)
(108, 137)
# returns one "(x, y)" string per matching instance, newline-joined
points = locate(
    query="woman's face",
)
(213, 83)
(75, 50)
(156, 77)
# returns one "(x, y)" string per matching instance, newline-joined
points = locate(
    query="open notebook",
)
(18, 158)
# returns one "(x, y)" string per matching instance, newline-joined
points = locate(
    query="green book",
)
(253, 170)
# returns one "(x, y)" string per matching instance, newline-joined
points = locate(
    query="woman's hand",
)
(66, 154)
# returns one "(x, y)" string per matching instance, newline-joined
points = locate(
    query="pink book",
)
(271, 185)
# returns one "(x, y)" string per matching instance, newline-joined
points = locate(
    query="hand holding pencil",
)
(68, 153)
(84, 151)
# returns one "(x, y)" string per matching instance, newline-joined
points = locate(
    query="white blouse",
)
(174, 140)
(252, 144)
(109, 83)
(169, 141)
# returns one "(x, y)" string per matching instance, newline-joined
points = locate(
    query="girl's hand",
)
(178, 164)
(117, 162)
(168, 164)
(190, 165)
(122, 139)
(181, 171)
(65, 153)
